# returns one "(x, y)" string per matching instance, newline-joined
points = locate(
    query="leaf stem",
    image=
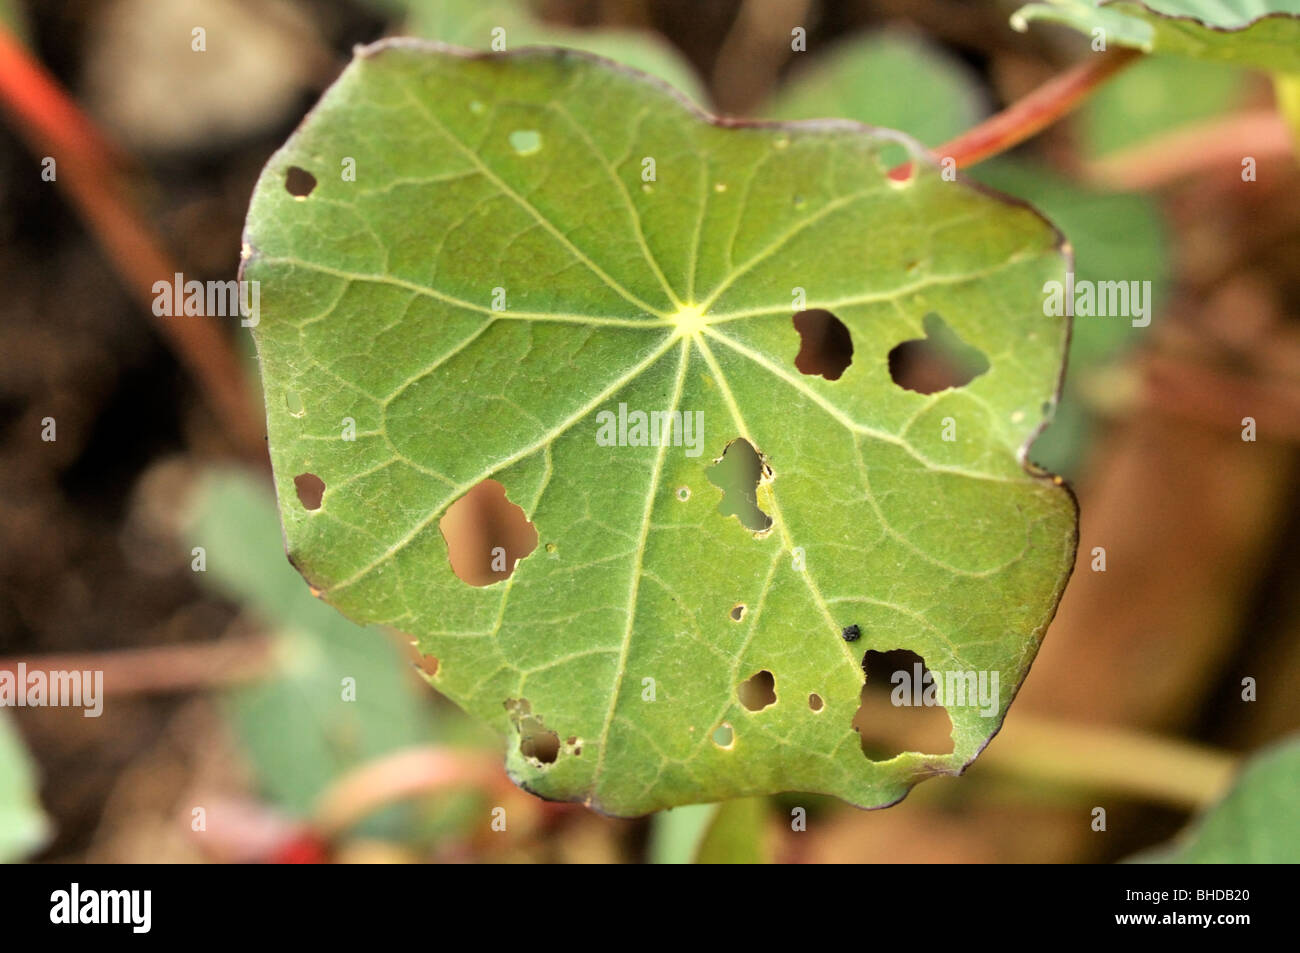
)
(89, 169)
(1030, 115)
(1111, 759)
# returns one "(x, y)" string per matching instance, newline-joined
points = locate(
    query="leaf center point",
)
(689, 319)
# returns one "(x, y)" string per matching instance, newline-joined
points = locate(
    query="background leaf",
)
(1259, 33)
(297, 729)
(1258, 822)
(23, 825)
(470, 23)
(737, 834)
(891, 79)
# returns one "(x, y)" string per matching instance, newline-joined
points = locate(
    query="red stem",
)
(89, 171)
(1028, 116)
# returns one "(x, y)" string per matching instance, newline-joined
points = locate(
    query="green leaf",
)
(859, 79)
(1259, 33)
(675, 835)
(23, 825)
(1258, 822)
(377, 305)
(737, 834)
(299, 729)
(470, 23)
(1116, 237)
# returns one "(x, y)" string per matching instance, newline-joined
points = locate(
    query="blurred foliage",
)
(675, 834)
(296, 726)
(1156, 95)
(470, 23)
(1258, 822)
(14, 17)
(737, 834)
(892, 79)
(23, 825)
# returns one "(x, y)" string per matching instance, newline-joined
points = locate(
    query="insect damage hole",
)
(815, 702)
(758, 691)
(486, 535)
(898, 710)
(723, 736)
(737, 474)
(936, 362)
(311, 490)
(737, 612)
(826, 347)
(536, 741)
(299, 182)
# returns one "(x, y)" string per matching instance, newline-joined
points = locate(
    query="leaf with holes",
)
(1264, 34)
(533, 398)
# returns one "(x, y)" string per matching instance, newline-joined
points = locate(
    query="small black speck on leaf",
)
(851, 633)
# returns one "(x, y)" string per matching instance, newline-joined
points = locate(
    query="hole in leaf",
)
(293, 403)
(936, 362)
(898, 708)
(737, 612)
(536, 741)
(826, 345)
(723, 736)
(758, 691)
(299, 182)
(683, 493)
(311, 490)
(486, 535)
(815, 702)
(428, 664)
(737, 473)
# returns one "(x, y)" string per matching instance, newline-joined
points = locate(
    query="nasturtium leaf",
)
(904, 82)
(1258, 822)
(1259, 33)
(1115, 237)
(626, 634)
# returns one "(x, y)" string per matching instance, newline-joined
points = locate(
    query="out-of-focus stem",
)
(88, 168)
(1030, 115)
(1111, 761)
